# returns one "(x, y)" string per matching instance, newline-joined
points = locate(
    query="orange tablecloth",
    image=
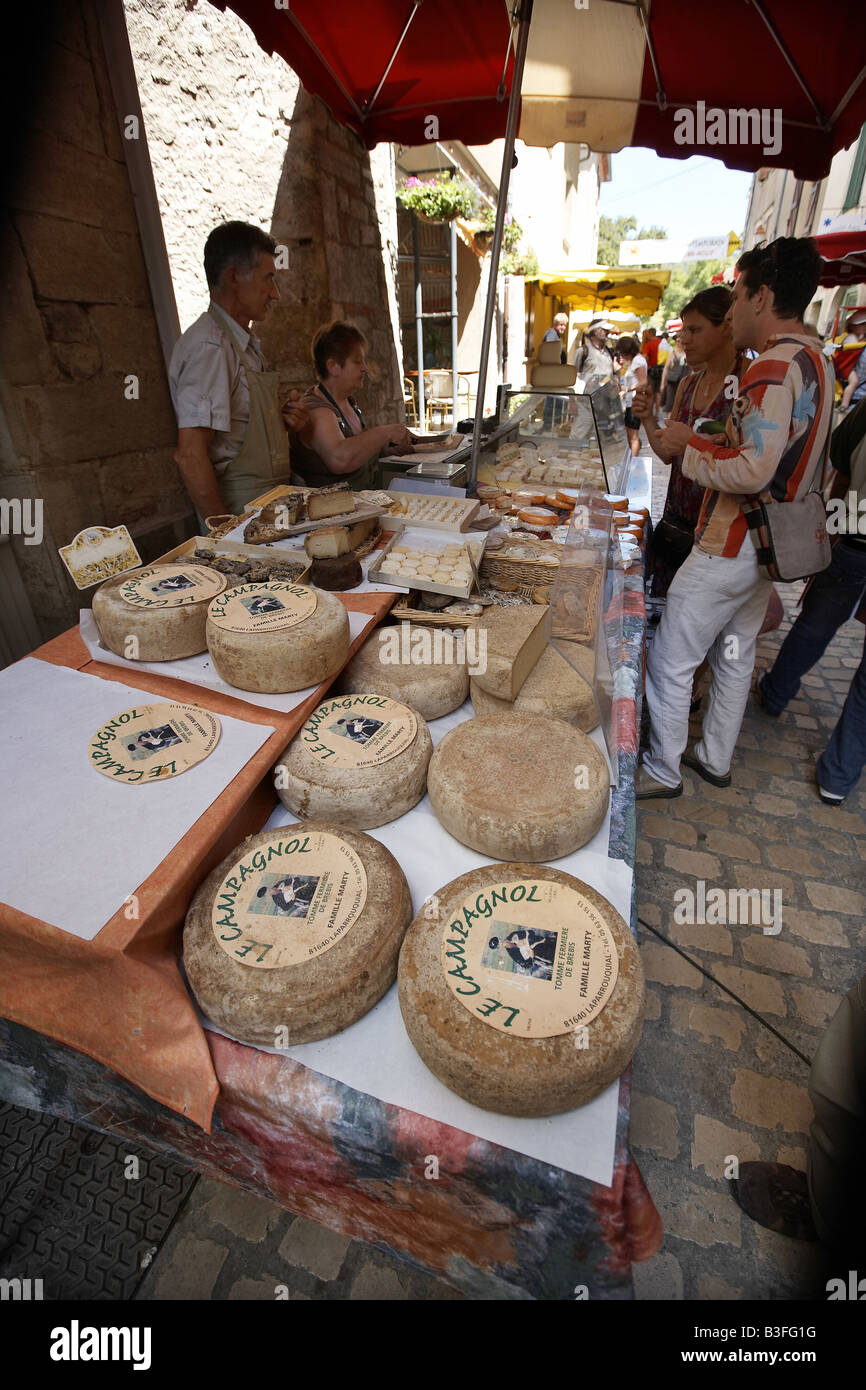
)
(120, 998)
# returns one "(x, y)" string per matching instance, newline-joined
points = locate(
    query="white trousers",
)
(715, 608)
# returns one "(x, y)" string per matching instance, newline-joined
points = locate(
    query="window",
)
(811, 209)
(858, 169)
(795, 208)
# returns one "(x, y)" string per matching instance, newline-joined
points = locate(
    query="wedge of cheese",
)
(330, 501)
(330, 542)
(515, 641)
(553, 687)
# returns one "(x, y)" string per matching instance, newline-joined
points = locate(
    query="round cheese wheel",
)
(552, 688)
(279, 658)
(470, 1045)
(537, 516)
(298, 929)
(164, 614)
(519, 786)
(360, 760)
(385, 664)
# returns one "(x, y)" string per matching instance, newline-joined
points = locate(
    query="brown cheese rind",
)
(288, 659)
(359, 797)
(512, 786)
(515, 641)
(162, 634)
(553, 688)
(514, 1075)
(321, 996)
(432, 690)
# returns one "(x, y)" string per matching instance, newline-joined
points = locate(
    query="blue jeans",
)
(830, 602)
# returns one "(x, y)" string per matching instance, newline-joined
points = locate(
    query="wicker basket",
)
(404, 610)
(512, 573)
(575, 603)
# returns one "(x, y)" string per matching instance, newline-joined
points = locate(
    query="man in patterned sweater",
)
(774, 447)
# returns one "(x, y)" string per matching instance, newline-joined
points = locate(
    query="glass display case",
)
(584, 623)
(557, 439)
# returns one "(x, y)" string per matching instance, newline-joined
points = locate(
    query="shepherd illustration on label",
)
(358, 729)
(290, 896)
(529, 951)
(173, 582)
(154, 741)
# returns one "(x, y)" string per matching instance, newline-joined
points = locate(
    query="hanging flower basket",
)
(439, 199)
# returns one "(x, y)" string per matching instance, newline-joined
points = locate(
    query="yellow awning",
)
(606, 287)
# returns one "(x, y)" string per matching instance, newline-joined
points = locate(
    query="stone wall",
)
(76, 318)
(232, 134)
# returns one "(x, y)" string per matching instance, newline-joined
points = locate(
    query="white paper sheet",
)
(76, 844)
(199, 670)
(375, 1054)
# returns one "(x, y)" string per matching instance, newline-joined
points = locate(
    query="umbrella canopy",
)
(844, 257)
(602, 288)
(751, 82)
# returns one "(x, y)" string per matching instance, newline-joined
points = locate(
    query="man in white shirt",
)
(232, 442)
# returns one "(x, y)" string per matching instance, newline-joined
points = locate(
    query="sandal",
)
(777, 1197)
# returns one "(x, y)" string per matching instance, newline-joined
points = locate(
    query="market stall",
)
(340, 1126)
(533, 1192)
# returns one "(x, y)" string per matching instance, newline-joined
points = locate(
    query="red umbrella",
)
(844, 256)
(609, 75)
(752, 82)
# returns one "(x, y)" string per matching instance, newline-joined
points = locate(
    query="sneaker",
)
(777, 1197)
(829, 798)
(760, 695)
(647, 787)
(690, 759)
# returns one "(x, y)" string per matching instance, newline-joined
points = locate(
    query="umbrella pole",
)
(504, 179)
(454, 377)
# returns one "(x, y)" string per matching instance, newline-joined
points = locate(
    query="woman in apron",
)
(336, 446)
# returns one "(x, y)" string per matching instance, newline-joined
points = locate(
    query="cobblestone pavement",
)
(228, 1244)
(712, 1079)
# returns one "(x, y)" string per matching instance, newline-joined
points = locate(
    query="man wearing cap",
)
(232, 443)
(594, 360)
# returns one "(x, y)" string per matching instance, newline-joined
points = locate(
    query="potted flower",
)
(439, 199)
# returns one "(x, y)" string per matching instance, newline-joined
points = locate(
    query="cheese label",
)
(172, 586)
(271, 607)
(530, 957)
(149, 743)
(358, 731)
(289, 900)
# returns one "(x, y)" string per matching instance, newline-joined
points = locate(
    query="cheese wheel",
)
(519, 786)
(306, 653)
(553, 688)
(488, 1065)
(328, 774)
(158, 621)
(537, 516)
(384, 664)
(235, 931)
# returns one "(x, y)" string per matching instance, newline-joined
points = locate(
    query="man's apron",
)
(263, 459)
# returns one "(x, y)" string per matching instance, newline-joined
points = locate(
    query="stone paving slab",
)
(712, 1080)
